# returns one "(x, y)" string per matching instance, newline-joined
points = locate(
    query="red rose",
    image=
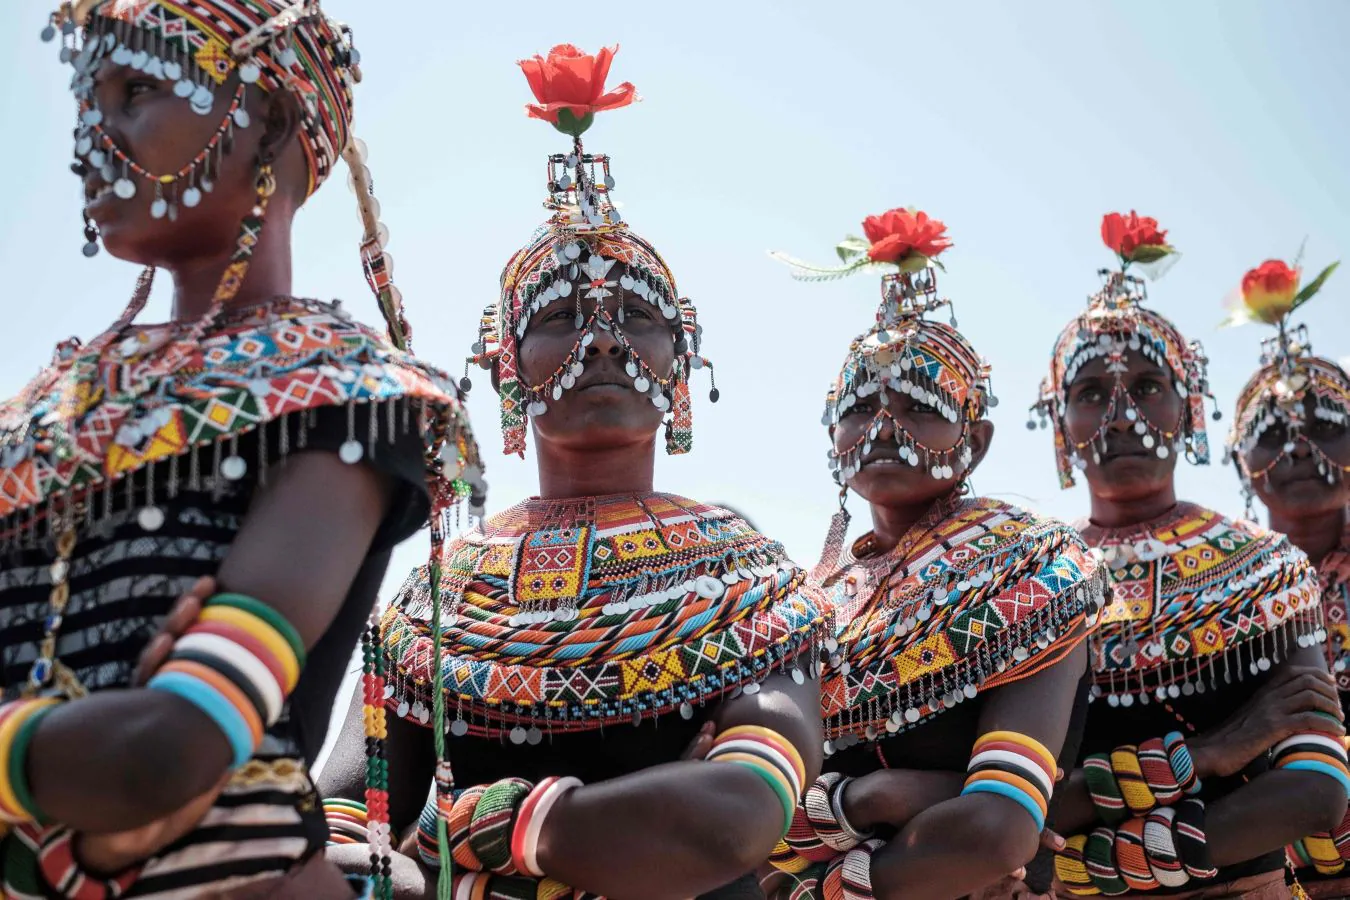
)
(1134, 238)
(899, 234)
(1268, 291)
(570, 87)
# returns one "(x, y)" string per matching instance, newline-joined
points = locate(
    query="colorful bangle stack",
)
(819, 830)
(1312, 751)
(850, 876)
(18, 721)
(237, 663)
(1136, 780)
(770, 756)
(530, 822)
(347, 821)
(40, 862)
(1165, 849)
(1015, 766)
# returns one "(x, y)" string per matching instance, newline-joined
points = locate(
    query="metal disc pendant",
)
(459, 728)
(90, 250)
(518, 735)
(184, 89)
(242, 118)
(233, 468)
(249, 73)
(191, 197)
(641, 384)
(159, 208)
(351, 452)
(124, 188)
(686, 711)
(151, 518)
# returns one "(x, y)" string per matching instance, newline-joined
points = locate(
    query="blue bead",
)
(42, 670)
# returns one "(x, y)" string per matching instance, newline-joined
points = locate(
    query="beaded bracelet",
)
(1341, 837)
(850, 876)
(1189, 831)
(1130, 779)
(18, 721)
(1015, 766)
(770, 756)
(1314, 752)
(1322, 851)
(1071, 869)
(1156, 767)
(461, 816)
(346, 820)
(1183, 766)
(819, 831)
(1131, 858)
(785, 858)
(56, 861)
(1102, 787)
(493, 818)
(1160, 846)
(237, 663)
(1099, 855)
(530, 822)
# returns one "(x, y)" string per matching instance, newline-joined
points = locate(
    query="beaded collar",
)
(1197, 599)
(576, 614)
(1334, 574)
(979, 595)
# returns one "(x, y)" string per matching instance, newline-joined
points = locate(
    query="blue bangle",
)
(989, 786)
(1312, 765)
(210, 701)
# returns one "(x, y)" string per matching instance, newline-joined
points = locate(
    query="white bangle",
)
(534, 827)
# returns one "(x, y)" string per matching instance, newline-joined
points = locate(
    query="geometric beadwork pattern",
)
(590, 611)
(1334, 574)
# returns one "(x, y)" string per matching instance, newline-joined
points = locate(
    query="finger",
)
(1307, 678)
(1051, 841)
(1059, 775)
(189, 606)
(1311, 721)
(698, 748)
(1018, 874)
(151, 658)
(1307, 701)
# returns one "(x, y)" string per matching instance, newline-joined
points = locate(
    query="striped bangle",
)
(1131, 858)
(1156, 767)
(493, 819)
(771, 757)
(1160, 847)
(1189, 831)
(785, 858)
(850, 876)
(237, 663)
(822, 806)
(1341, 836)
(1102, 787)
(56, 860)
(1014, 766)
(461, 818)
(18, 722)
(1183, 766)
(1130, 778)
(1322, 851)
(530, 822)
(428, 842)
(1099, 855)
(1071, 869)
(1314, 752)
(347, 820)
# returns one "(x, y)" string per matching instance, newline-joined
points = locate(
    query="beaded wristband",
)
(1014, 766)
(530, 823)
(1099, 855)
(1183, 766)
(785, 858)
(849, 877)
(428, 846)
(771, 757)
(1160, 846)
(1341, 836)
(347, 820)
(1314, 752)
(494, 816)
(18, 721)
(1189, 831)
(1102, 787)
(1071, 870)
(1156, 767)
(1130, 778)
(1296, 855)
(1322, 851)
(819, 832)
(461, 818)
(1131, 858)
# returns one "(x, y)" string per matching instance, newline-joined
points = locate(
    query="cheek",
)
(656, 346)
(541, 355)
(1081, 421)
(1163, 409)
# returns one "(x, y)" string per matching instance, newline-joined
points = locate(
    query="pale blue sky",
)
(781, 125)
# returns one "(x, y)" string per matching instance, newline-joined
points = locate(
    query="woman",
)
(206, 446)
(1292, 450)
(962, 619)
(576, 644)
(1208, 657)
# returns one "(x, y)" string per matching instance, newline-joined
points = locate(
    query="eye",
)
(1147, 387)
(138, 87)
(637, 311)
(862, 407)
(1089, 396)
(559, 314)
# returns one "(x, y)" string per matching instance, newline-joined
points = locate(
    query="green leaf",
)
(568, 123)
(1313, 286)
(914, 263)
(938, 263)
(1148, 253)
(851, 247)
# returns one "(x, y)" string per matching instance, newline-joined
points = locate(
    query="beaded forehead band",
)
(903, 351)
(1277, 396)
(584, 251)
(1114, 325)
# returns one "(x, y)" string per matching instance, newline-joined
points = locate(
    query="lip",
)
(603, 383)
(1117, 453)
(884, 461)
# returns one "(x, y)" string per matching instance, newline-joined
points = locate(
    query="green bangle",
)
(784, 795)
(268, 615)
(17, 764)
(1101, 851)
(1105, 792)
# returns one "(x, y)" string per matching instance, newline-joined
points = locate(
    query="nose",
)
(1123, 415)
(604, 341)
(887, 430)
(1301, 449)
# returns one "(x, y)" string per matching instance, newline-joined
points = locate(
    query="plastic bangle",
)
(227, 717)
(268, 615)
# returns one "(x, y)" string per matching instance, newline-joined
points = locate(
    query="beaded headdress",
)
(1115, 324)
(584, 250)
(1277, 395)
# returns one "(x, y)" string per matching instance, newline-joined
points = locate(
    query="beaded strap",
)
(1321, 849)
(1102, 787)
(18, 721)
(56, 862)
(1161, 846)
(1015, 766)
(1165, 849)
(1341, 836)
(493, 820)
(1192, 847)
(1314, 752)
(461, 816)
(850, 876)
(1099, 854)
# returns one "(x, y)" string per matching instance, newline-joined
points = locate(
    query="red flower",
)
(901, 233)
(1268, 291)
(1126, 235)
(570, 87)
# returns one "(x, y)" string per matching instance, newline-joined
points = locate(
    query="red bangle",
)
(56, 860)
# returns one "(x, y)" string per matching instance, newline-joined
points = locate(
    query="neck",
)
(891, 523)
(1316, 535)
(269, 274)
(589, 472)
(1108, 513)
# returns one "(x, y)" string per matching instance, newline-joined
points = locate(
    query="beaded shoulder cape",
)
(1198, 599)
(988, 595)
(571, 615)
(93, 418)
(1334, 575)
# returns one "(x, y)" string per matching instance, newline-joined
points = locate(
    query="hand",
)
(1010, 888)
(698, 748)
(1291, 702)
(185, 611)
(109, 854)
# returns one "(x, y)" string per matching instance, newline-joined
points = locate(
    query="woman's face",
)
(1291, 485)
(603, 409)
(160, 132)
(1127, 469)
(887, 480)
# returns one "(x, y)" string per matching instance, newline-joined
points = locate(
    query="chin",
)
(1306, 497)
(898, 485)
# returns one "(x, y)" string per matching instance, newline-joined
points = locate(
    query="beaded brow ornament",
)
(585, 251)
(1289, 379)
(1116, 324)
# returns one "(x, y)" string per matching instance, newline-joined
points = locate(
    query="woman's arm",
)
(124, 758)
(963, 844)
(681, 829)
